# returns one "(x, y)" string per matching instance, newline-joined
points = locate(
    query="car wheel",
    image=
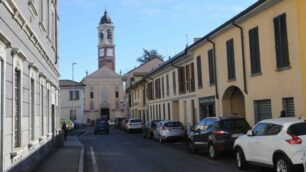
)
(212, 152)
(191, 148)
(240, 159)
(161, 141)
(282, 164)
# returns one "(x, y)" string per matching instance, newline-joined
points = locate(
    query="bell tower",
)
(106, 47)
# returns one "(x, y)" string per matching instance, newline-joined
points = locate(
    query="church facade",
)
(104, 95)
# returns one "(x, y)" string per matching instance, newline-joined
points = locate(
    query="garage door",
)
(262, 110)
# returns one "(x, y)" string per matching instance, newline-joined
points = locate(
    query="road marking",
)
(81, 161)
(93, 158)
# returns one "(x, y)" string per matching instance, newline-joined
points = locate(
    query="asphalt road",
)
(120, 152)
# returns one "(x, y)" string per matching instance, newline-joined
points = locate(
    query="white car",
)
(277, 143)
(166, 130)
(133, 124)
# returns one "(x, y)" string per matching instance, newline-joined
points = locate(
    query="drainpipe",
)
(215, 66)
(243, 57)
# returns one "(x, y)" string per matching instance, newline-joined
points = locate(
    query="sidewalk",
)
(65, 159)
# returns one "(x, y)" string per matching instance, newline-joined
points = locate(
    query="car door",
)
(197, 133)
(254, 146)
(157, 131)
(204, 135)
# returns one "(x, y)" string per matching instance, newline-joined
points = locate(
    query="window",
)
(91, 94)
(42, 108)
(72, 114)
(167, 85)
(187, 81)
(273, 129)
(211, 66)
(174, 82)
(163, 87)
(281, 41)
(169, 117)
(117, 94)
(254, 51)
(262, 109)
(288, 106)
(181, 80)
(260, 129)
(265, 129)
(17, 102)
(1, 86)
(32, 109)
(92, 105)
(192, 80)
(298, 129)
(48, 110)
(199, 71)
(74, 95)
(164, 111)
(230, 59)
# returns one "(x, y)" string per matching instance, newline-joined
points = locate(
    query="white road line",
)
(81, 161)
(93, 158)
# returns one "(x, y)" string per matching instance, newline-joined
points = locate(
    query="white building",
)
(72, 101)
(28, 82)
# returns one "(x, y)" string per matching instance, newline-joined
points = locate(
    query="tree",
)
(149, 55)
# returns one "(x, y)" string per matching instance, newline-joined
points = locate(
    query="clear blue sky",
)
(149, 24)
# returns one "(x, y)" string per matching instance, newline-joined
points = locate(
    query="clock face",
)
(101, 52)
(110, 52)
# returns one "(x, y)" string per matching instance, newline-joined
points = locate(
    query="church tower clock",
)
(106, 47)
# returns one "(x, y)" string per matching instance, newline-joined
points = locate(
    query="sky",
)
(164, 25)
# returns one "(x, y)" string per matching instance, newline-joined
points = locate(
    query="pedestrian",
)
(283, 114)
(64, 128)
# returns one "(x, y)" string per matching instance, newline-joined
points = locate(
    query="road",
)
(120, 151)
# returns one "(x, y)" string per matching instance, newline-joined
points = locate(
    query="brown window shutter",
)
(192, 80)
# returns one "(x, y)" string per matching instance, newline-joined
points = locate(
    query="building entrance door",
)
(104, 112)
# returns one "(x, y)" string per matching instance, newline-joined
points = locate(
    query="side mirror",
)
(250, 133)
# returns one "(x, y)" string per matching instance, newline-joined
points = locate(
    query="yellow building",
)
(254, 65)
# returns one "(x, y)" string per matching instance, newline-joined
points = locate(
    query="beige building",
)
(251, 66)
(72, 101)
(104, 95)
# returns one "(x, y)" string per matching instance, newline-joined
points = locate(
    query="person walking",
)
(64, 128)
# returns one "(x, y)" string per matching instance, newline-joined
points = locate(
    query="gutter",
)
(243, 56)
(215, 66)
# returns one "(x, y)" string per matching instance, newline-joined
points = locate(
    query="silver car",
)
(167, 130)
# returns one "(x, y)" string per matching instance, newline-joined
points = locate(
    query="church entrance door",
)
(104, 113)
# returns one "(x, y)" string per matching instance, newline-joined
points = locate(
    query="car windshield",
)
(101, 123)
(135, 120)
(298, 129)
(154, 123)
(234, 124)
(173, 124)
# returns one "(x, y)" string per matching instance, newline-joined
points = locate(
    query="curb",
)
(81, 161)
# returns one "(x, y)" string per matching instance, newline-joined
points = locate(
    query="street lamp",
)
(73, 92)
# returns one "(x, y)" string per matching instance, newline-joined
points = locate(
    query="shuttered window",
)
(288, 106)
(164, 111)
(17, 125)
(192, 80)
(48, 111)
(163, 87)
(169, 117)
(211, 66)
(91, 95)
(167, 85)
(230, 59)
(32, 109)
(262, 110)
(254, 51)
(42, 109)
(174, 82)
(187, 81)
(181, 80)
(199, 71)
(281, 41)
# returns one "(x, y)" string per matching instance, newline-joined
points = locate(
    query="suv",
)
(278, 143)
(149, 128)
(101, 125)
(217, 134)
(133, 124)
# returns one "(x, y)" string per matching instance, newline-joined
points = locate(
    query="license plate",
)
(236, 135)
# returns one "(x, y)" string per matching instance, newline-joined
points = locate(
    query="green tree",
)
(149, 55)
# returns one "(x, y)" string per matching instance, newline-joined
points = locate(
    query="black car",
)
(149, 127)
(217, 134)
(101, 126)
(118, 121)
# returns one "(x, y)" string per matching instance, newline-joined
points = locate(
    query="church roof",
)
(70, 83)
(103, 73)
(105, 19)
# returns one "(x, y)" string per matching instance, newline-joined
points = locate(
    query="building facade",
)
(253, 66)
(104, 95)
(72, 101)
(29, 85)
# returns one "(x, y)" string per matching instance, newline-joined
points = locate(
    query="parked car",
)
(166, 130)
(149, 128)
(133, 124)
(101, 126)
(217, 134)
(118, 121)
(279, 143)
